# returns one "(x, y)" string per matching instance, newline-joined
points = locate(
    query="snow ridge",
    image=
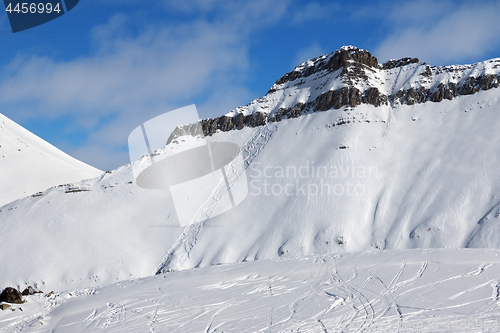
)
(29, 164)
(351, 77)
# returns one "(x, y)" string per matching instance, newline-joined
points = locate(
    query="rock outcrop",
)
(30, 291)
(4, 306)
(11, 295)
(346, 56)
(361, 80)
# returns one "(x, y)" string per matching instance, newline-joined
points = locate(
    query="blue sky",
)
(84, 81)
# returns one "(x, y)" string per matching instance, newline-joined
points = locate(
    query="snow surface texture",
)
(29, 164)
(389, 291)
(393, 177)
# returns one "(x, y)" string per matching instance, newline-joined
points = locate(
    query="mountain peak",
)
(343, 57)
(349, 77)
(346, 56)
(30, 164)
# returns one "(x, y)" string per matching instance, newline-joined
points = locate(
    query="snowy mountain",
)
(29, 164)
(405, 156)
(349, 77)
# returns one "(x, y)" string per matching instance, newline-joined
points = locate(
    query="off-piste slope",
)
(405, 157)
(390, 291)
(29, 164)
(415, 176)
(343, 154)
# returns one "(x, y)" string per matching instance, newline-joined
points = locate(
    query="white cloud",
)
(132, 78)
(309, 52)
(190, 6)
(315, 11)
(441, 32)
(152, 68)
(420, 11)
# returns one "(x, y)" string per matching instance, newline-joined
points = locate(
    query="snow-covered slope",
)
(389, 291)
(90, 233)
(417, 176)
(29, 164)
(417, 173)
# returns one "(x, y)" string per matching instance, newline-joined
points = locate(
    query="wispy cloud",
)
(136, 70)
(192, 6)
(315, 11)
(441, 32)
(311, 51)
(134, 77)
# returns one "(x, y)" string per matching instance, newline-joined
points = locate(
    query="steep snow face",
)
(417, 176)
(29, 164)
(353, 178)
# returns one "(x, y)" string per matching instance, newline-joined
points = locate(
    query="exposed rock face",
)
(343, 57)
(374, 97)
(30, 291)
(352, 97)
(345, 96)
(471, 86)
(399, 63)
(11, 295)
(223, 123)
(363, 81)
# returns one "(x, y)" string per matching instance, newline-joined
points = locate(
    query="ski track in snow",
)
(350, 293)
(249, 151)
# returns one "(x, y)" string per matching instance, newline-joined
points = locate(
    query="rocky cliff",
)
(349, 77)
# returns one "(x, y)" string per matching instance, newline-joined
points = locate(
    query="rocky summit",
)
(349, 77)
